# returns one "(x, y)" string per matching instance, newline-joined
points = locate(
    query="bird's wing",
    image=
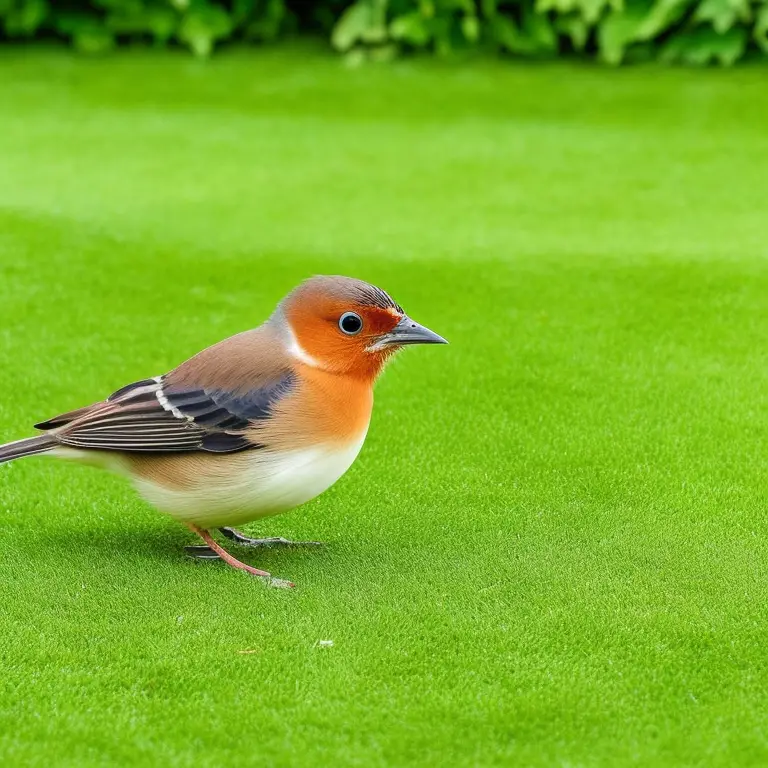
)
(190, 409)
(69, 416)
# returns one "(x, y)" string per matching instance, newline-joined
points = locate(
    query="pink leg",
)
(224, 555)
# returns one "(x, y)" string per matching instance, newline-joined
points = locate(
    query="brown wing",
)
(66, 418)
(191, 409)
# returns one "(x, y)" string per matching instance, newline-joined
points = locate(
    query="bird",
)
(255, 425)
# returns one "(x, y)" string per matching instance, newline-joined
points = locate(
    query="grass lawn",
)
(553, 550)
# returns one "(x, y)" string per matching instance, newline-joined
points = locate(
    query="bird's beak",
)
(407, 331)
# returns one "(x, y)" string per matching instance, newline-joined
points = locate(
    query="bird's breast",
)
(308, 442)
(212, 490)
(324, 409)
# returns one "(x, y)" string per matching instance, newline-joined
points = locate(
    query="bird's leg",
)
(274, 541)
(229, 559)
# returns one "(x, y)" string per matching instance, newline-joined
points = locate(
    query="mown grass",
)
(553, 549)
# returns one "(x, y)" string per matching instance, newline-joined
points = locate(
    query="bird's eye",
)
(350, 323)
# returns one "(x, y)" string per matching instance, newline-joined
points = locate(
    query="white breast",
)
(265, 483)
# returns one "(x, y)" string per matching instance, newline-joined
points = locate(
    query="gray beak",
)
(407, 331)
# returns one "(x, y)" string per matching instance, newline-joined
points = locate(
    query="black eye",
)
(350, 323)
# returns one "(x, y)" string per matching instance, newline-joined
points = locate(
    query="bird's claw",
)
(279, 541)
(201, 552)
(272, 541)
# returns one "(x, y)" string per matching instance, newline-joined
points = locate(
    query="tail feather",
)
(28, 447)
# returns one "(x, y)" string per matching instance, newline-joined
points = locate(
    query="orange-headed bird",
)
(253, 426)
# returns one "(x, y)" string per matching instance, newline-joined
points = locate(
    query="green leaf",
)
(383, 53)
(619, 29)
(703, 45)
(411, 28)
(88, 32)
(729, 47)
(24, 19)
(593, 9)
(723, 13)
(427, 8)
(761, 28)
(510, 37)
(441, 34)
(162, 23)
(158, 21)
(129, 6)
(202, 25)
(537, 28)
(574, 26)
(560, 6)
(269, 22)
(534, 36)
(379, 11)
(470, 28)
(376, 32)
(242, 9)
(663, 15)
(70, 22)
(351, 25)
(94, 40)
(640, 53)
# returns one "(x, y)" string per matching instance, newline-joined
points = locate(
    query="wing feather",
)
(152, 416)
(209, 403)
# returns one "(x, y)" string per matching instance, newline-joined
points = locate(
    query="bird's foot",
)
(214, 550)
(274, 541)
(201, 552)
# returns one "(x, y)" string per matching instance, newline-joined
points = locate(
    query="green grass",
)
(553, 550)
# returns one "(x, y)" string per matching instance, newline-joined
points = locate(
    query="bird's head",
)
(347, 326)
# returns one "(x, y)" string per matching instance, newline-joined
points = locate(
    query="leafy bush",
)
(688, 31)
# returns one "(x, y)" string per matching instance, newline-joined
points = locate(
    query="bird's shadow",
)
(162, 545)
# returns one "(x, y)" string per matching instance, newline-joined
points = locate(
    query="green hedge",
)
(615, 31)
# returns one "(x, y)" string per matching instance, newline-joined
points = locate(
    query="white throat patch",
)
(298, 352)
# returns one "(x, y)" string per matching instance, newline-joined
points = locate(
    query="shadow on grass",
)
(151, 547)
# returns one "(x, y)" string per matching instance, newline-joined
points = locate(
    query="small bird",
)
(253, 426)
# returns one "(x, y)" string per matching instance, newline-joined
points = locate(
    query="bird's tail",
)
(28, 447)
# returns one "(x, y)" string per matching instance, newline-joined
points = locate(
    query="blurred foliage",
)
(689, 31)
